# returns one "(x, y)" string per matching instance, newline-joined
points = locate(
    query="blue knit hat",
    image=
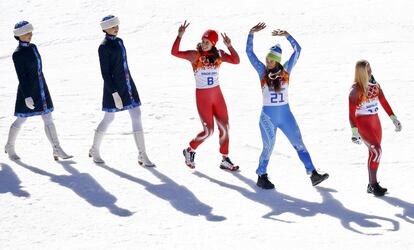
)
(275, 53)
(109, 22)
(22, 28)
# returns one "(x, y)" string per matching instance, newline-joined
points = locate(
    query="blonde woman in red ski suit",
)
(363, 117)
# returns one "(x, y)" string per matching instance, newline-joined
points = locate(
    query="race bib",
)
(272, 98)
(368, 107)
(206, 77)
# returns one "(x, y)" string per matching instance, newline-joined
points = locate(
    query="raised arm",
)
(296, 49)
(175, 50)
(295, 55)
(233, 57)
(256, 63)
(188, 54)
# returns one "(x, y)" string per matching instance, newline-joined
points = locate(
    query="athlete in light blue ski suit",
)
(276, 111)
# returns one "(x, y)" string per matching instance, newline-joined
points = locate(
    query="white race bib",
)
(206, 77)
(368, 107)
(272, 98)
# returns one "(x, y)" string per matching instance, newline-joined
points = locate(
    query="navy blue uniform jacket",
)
(32, 83)
(116, 75)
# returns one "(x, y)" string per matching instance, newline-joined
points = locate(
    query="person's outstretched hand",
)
(257, 27)
(182, 28)
(280, 32)
(226, 39)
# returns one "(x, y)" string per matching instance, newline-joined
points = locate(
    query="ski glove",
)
(117, 100)
(29, 103)
(356, 138)
(396, 122)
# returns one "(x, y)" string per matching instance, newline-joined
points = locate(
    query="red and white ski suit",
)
(209, 99)
(363, 114)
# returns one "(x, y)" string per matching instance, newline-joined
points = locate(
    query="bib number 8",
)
(210, 81)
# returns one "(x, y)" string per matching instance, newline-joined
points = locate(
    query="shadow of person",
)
(332, 207)
(281, 203)
(278, 202)
(10, 183)
(84, 185)
(408, 208)
(180, 197)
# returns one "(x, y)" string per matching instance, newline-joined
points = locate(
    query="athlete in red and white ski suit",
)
(363, 115)
(209, 99)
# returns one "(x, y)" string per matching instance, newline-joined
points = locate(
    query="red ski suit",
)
(363, 115)
(209, 99)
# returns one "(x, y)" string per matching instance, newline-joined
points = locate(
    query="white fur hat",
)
(22, 28)
(109, 22)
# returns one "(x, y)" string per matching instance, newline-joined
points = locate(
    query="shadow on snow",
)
(9, 182)
(408, 208)
(281, 203)
(180, 197)
(84, 185)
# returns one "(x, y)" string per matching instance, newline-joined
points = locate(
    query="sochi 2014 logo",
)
(207, 60)
(373, 91)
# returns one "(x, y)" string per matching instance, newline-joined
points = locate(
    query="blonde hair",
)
(361, 76)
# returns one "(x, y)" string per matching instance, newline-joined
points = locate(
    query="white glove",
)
(396, 122)
(29, 103)
(356, 138)
(117, 100)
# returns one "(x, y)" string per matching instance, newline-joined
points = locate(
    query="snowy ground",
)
(79, 205)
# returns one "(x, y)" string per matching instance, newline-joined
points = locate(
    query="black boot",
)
(317, 178)
(376, 189)
(264, 182)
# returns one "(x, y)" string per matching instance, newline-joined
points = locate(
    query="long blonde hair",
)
(361, 77)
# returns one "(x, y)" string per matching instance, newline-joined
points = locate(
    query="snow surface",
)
(79, 205)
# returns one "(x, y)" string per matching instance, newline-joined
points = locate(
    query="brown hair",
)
(273, 77)
(213, 51)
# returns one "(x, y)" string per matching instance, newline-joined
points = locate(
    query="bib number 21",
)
(276, 97)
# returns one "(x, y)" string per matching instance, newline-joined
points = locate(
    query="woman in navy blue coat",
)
(33, 97)
(119, 92)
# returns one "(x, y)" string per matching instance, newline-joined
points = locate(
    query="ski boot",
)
(317, 178)
(228, 165)
(189, 157)
(376, 189)
(263, 182)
